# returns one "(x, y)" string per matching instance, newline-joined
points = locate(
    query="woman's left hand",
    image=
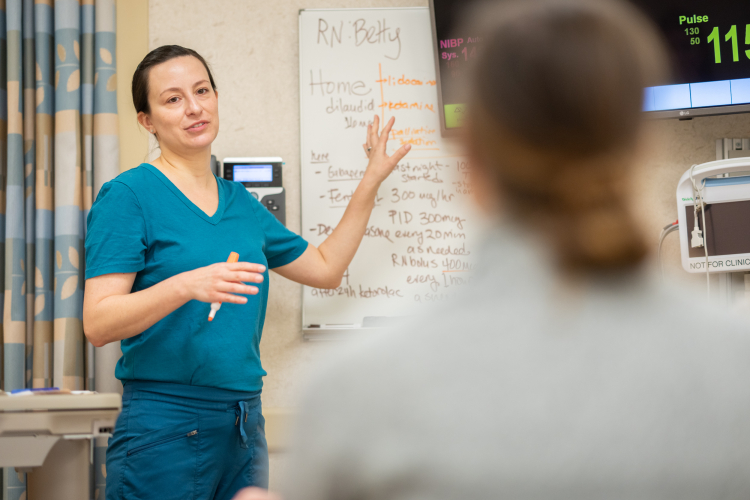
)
(381, 165)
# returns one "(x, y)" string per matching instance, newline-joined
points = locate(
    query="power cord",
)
(700, 238)
(669, 228)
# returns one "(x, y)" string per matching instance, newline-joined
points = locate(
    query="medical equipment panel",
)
(261, 176)
(719, 208)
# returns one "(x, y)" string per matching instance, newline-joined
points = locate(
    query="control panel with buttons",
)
(261, 176)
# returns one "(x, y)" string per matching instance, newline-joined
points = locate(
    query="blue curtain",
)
(58, 145)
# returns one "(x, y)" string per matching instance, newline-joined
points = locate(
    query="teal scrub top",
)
(141, 223)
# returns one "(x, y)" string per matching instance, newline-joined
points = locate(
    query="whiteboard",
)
(420, 241)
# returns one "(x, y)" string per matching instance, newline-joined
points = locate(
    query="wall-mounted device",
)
(709, 43)
(713, 209)
(713, 204)
(261, 176)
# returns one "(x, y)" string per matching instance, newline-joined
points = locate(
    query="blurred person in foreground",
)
(565, 372)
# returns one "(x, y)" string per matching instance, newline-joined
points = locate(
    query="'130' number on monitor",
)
(730, 36)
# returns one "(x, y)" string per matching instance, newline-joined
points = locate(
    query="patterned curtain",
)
(58, 145)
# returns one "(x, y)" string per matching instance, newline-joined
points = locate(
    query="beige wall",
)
(132, 46)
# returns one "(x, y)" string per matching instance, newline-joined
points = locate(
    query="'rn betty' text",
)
(359, 33)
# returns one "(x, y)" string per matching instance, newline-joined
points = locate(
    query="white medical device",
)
(713, 211)
(50, 436)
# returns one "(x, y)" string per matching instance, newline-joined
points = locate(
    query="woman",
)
(565, 372)
(157, 241)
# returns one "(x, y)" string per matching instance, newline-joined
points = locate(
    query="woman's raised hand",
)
(381, 165)
(223, 282)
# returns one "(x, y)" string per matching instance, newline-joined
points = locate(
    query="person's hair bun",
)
(556, 115)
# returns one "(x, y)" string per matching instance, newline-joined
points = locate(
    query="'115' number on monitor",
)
(731, 36)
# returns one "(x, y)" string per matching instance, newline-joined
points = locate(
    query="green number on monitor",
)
(732, 35)
(747, 39)
(714, 37)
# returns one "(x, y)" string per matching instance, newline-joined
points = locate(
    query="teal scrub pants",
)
(176, 441)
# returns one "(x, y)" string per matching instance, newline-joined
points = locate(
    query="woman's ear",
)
(145, 122)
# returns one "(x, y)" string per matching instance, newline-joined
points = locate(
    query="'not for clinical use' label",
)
(729, 263)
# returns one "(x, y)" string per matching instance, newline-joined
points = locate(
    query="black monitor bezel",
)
(444, 131)
(688, 113)
(680, 114)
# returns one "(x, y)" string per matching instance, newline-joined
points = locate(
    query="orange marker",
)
(215, 306)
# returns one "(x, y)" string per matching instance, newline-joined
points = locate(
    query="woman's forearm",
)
(339, 248)
(111, 312)
(119, 317)
(324, 267)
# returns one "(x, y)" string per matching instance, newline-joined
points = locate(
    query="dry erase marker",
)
(233, 257)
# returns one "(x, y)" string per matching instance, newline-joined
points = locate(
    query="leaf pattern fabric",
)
(58, 145)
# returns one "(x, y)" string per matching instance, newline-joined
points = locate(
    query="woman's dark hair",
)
(154, 58)
(555, 116)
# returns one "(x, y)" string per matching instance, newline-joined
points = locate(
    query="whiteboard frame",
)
(326, 334)
(336, 9)
(335, 332)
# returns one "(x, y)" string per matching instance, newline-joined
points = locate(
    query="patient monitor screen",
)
(457, 45)
(709, 41)
(710, 45)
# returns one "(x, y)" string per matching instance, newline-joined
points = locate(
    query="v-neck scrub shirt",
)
(141, 223)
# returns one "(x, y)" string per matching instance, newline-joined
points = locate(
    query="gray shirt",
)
(530, 388)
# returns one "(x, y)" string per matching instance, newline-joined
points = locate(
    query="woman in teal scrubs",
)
(156, 248)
